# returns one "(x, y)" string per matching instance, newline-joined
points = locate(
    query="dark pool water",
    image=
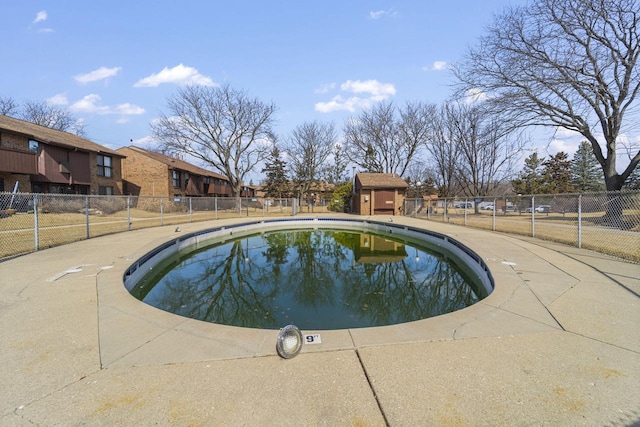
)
(314, 279)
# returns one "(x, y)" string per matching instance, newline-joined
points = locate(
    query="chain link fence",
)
(30, 222)
(604, 222)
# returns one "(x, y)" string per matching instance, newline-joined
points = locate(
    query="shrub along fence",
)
(30, 222)
(604, 222)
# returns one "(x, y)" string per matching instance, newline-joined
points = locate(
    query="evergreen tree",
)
(557, 174)
(531, 179)
(586, 173)
(341, 197)
(276, 184)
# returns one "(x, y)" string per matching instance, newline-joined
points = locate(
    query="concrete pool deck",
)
(556, 343)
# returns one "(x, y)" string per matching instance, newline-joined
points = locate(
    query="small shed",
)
(379, 194)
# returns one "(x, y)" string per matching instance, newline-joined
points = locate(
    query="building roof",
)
(52, 136)
(174, 163)
(381, 180)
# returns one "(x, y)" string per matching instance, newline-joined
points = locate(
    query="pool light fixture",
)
(289, 342)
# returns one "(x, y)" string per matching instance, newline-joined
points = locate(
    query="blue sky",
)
(113, 64)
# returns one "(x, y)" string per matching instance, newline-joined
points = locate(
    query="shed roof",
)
(52, 136)
(174, 163)
(381, 180)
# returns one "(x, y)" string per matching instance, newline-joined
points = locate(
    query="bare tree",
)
(44, 114)
(563, 63)
(444, 152)
(334, 170)
(223, 127)
(384, 140)
(487, 147)
(307, 149)
(8, 107)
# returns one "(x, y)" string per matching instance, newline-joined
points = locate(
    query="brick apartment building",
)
(44, 160)
(147, 173)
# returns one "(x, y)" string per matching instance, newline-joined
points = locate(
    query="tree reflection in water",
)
(315, 279)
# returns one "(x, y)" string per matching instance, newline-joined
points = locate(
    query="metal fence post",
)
(493, 216)
(86, 213)
(533, 216)
(190, 210)
(128, 213)
(161, 212)
(215, 206)
(36, 235)
(580, 221)
(465, 212)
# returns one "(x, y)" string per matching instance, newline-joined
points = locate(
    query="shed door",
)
(384, 202)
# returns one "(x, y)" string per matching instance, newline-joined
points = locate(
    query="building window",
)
(33, 146)
(186, 177)
(207, 180)
(105, 191)
(104, 166)
(176, 179)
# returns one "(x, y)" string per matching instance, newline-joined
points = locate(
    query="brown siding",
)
(80, 167)
(18, 161)
(49, 160)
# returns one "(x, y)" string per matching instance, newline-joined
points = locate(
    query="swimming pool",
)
(317, 273)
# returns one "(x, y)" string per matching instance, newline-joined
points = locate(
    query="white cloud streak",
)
(40, 17)
(180, 75)
(95, 75)
(59, 99)
(475, 95)
(377, 14)
(91, 104)
(325, 88)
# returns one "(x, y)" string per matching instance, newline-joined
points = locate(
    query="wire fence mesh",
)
(605, 222)
(30, 222)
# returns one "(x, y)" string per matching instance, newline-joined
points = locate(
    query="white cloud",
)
(91, 104)
(373, 87)
(437, 66)
(325, 88)
(375, 90)
(377, 14)
(475, 95)
(59, 99)
(128, 109)
(46, 30)
(557, 145)
(95, 75)
(179, 74)
(40, 16)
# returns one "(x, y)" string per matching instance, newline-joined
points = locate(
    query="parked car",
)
(488, 207)
(543, 208)
(529, 209)
(462, 205)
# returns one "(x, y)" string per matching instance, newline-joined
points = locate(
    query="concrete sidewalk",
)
(556, 343)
